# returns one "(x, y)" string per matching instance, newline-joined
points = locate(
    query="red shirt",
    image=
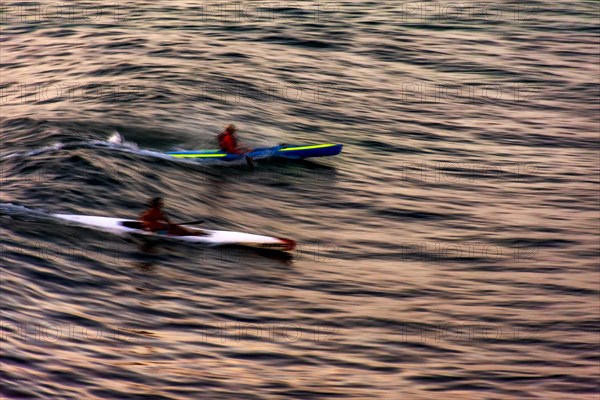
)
(154, 219)
(228, 143)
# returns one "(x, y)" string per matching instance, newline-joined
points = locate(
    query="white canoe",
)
(124, 226)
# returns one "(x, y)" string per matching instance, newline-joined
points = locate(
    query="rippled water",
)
(450, 251)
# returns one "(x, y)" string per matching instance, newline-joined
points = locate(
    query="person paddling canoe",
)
(154, 219)
(229, 143)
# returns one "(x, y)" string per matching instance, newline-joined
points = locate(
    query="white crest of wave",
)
(34, 152)
(117, 138)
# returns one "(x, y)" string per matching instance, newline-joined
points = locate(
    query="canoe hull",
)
(210, 237)
(286, 151)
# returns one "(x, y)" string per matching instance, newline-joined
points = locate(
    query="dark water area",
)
(451, 250)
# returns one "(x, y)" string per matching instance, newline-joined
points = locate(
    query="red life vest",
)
(228, 143)
(153, 219)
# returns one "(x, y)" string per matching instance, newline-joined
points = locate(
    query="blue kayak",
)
(293, 152)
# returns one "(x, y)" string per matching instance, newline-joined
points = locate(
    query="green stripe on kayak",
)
(198, 155)
(316, 146)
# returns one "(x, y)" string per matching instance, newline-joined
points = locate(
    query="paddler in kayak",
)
(229, 143)
(154, 219)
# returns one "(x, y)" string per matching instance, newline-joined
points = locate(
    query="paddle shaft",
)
(190, 222)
